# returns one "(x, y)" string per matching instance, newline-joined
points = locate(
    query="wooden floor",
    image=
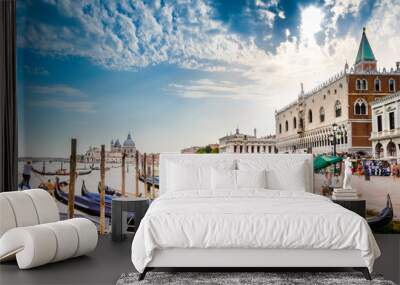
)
(103, 266)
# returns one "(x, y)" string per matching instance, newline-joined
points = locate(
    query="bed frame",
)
(250, 259)
(233, 259)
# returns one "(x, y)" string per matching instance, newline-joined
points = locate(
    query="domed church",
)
(129, 145)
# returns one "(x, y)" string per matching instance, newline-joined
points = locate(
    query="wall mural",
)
(145, 77)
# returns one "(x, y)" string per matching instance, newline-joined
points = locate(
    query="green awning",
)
(322, 161)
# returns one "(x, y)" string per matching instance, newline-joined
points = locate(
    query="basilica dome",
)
(129, 142)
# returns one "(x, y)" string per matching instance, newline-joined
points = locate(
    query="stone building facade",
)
(385, 136)
(114, 155)
(306, 125)
(241, 143)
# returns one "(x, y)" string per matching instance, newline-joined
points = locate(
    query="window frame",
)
(379, 123)
(321, 115)
(394, 85)
(338, 103)
(379, 84)
(310, 116)
(392, 123)
(358, 103)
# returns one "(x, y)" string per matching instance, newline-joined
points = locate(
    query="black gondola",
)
(92, 195)
(109, 191)
(61, 172)
(384, 217)
(84, 204)
(150, 180)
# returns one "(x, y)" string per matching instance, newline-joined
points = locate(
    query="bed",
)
(247, 211)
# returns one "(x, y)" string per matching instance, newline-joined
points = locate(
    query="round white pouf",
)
(40, 244)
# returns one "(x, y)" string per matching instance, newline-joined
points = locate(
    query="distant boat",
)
(61, 172)
(384, 217)
(98, 168)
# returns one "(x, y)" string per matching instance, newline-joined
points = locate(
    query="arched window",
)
(294, 123)
(391, 149)
(360, 107)
(321, 114)
(378, 150)
(310, 116)
(301, 124)
(392, 85)
(286, 126)
(377, 84)
(280, 128)
(338, 109)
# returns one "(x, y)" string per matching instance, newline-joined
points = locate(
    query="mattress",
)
(250, 219)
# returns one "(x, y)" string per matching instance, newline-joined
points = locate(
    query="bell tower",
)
(365, 60)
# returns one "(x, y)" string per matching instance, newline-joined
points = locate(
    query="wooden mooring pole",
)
(137, 193)
(123, 174)
(152, 177)
(146, 192)
(72, 179)
(102, 189)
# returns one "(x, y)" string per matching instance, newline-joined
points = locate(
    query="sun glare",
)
(311, 19)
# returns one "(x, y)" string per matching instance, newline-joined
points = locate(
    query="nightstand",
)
(120, 207)
(357, 206)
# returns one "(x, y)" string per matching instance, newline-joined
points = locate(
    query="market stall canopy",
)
(322, 161)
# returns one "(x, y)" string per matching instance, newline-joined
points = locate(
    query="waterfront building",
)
(385, 136)
(114, 155)
(242, 143)
(306, 125)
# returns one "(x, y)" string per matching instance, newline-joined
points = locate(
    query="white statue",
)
(347, 174)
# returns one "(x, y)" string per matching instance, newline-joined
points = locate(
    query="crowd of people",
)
(376, 168)
(369, 167)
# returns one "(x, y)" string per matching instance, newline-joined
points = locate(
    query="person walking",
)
(26, 174)
(395, 170)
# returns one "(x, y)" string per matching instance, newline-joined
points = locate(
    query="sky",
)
(180, 73)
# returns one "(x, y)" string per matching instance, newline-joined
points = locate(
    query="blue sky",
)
(180, 73)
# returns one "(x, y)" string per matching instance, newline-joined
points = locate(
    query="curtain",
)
(8, 98)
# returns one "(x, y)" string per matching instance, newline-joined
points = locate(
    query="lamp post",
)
(333, 137)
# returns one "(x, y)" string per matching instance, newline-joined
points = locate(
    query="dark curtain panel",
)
(8, 98)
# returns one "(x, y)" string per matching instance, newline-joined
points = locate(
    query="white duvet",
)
(250, 219)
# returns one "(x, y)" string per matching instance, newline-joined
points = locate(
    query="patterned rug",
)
(229, 278)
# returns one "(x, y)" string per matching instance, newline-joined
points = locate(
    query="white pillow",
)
(223, 179)
(182, 177)
(282, 174)
(251, 178)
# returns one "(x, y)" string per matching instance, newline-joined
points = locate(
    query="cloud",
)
(341, 8)
(36, 70)
(132, 35)
(70, 106)
(56, 90)
(276, 77)
(61, 96)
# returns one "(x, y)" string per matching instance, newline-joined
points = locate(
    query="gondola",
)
(92, 195)
(109, 191)
(384, 217)
(98, 168)
(81, 203)
(61, 172)
(150, 180)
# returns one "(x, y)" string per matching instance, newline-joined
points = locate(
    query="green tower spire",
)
(364, 51)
